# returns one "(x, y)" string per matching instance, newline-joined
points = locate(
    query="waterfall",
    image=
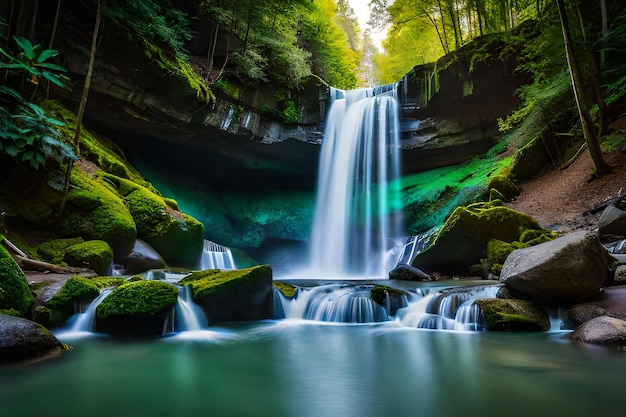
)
(215, 256)
(353, 226)
(84, 322)
(188, 315)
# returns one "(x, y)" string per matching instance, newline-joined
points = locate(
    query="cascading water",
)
(188, 315)
(216, 256)
(353, 225)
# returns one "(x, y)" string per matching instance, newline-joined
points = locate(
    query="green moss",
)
(76, 289)
(215, 282)
(177, 237)
(95, 211)
(285, 289)
(379, 293)
(513, 315)
(498, 251)
(53, 251)
(14, 291)
(139, 298)
(504, 186)
(94, 254)
(10, 312)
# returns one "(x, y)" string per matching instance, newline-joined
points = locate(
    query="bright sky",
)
(362, 11)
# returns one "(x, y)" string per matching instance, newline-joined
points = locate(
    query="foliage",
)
(27, 133)
(154, 20)
(32, 63)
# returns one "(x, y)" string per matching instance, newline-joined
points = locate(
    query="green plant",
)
(28, 133)
(32, 63)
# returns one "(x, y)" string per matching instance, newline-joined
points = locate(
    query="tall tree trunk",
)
(605, 31)
(83, 101)
(443, 26)
(54, 26)
(577, 84)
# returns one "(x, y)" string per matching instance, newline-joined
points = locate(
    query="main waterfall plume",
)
(354, 222)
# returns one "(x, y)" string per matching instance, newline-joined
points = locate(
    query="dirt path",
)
(558, 199)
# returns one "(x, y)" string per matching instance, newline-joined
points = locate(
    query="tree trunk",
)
(577, 84)
(83, 101)
(54, 26)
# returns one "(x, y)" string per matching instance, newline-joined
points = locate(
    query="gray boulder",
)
(142, 258)
(568, 270)
(601, 330)
(620, 275)
(406, 272)
(612, 221)
(611, 303)
(22, 340)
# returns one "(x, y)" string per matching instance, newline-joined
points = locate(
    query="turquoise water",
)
(305, 368)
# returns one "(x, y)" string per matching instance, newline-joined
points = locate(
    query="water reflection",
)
(303, 368)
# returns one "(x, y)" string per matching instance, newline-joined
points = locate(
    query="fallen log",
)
(614, 201)
(28, 264)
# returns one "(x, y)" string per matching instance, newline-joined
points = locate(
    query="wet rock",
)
(408, 273)
(567, 270)
(612, 221)
(602, 331)
(611, 302)
(511, 315)
(142, 258)
(25, 340)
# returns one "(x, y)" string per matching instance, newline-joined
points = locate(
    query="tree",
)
(83, 100)
(589, 132)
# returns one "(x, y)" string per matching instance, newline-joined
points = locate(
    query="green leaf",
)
(12, 150)
(27, 155)
(52, 67)
(26, 46)
(47, 54)
(53, 79)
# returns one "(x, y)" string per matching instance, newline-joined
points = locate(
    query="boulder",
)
(142, 258)
(408, 273)
(611, 303)
(391, 299)
(513, 315)
(137, 309)
(620, 275)
(25, 340)
(175, 235)
(462, 241)
(14, 291)
(601, 330)
(93, 254)
(568, 270)
(235, 295)
(612, 221)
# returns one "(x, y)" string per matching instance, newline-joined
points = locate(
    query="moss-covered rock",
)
(137, 309)
(462, 241)
(285, 289)
(498, 251)
(14, 291)
(177, 237)
(243, 294)
(96, 255)
(388, 297)
(95, 211)
(504, 186)
(76, 293)
(513, 315)
(53, 251)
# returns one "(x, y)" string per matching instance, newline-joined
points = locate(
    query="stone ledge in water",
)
(236, 295)
(137, 309)
(24, 340)
(512, 315)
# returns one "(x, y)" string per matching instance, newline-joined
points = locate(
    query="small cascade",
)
(188, 315)
(354, 214)
(216, 256)
(340, 303)
(84, 322)
(426, 308)
(448, 309)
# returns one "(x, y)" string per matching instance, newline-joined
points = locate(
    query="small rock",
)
(601, 330)
(612, 221)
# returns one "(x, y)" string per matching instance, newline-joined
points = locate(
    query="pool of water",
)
(306, 368)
